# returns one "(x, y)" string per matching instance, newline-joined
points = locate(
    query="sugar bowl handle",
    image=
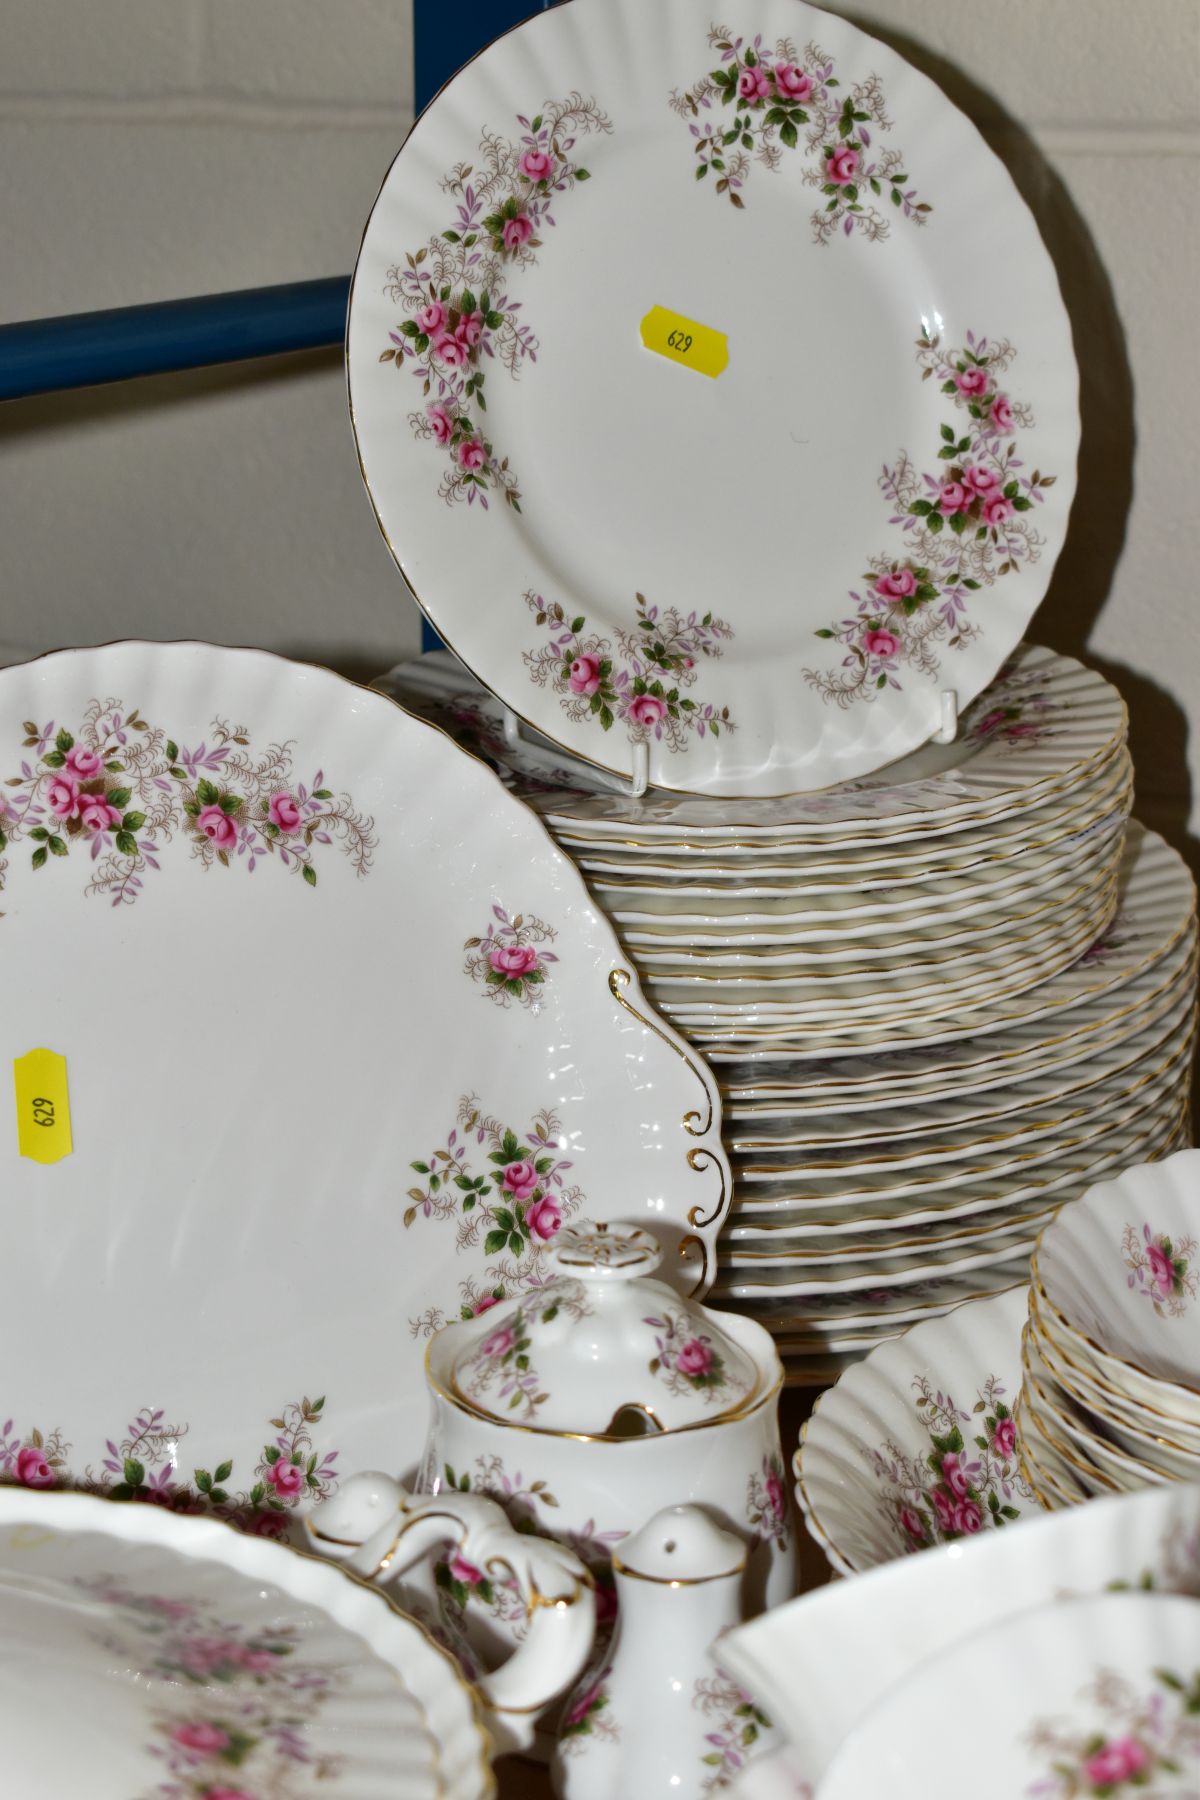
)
(377, 1530)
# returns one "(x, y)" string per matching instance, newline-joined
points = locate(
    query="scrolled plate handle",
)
(378, 1530)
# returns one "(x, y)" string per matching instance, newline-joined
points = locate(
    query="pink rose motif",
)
(513, 960)
(451, 351)
(753, 84)
(954, 1475)
(259, 1662)
(543, 1218)
(441, 424)
(585, 675)
(469, 329)
(774, 1491)
(953, 498)
(1004, 1438)
(971, 382)
(537, 165)
(1162, 1270)
(95, 813)
(842, 166)
(1120, 1760)
(464, 1571)
(991, 721)
(877, 642)
(897, 584)
(943, 1506)
(792, 83)
(285, 812)
(517, 232)
(484, 1305)
(647, 710)
(1002, 412)
(967, 1518)
(218, 827)
(996, 509)
(83, 762)
(431, 318)
(472, 456)
(63, 795)
(498, 1342)
(981, 481)
(694, 1358)
(913, 1524)
(520, 1179)
(583, 1706)
(32, 1469)
(206, 1739)
(287, 1478)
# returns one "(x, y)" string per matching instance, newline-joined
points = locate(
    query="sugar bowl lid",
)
(603, 1349)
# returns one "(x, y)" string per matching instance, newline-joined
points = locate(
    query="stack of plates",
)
(1110, 1397)
(903, 1120)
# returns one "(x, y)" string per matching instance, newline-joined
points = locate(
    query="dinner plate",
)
(147, 1654)
(536, 417)
(345, 1042)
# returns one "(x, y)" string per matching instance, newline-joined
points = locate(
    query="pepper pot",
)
(658, 1717)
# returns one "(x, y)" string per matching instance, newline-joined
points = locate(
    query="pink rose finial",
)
(694, 1358)
(205, 1738)
(971, 382)
(32, 1469)
(285, 811)
(431, 318)
(996, 508)
(897, 584)
(980, 480)
(953, 498)
(792, 83)
(877, 642)
(63, 796)
(1162, 1269)
(1004, 1439)
(517, 232)
(544, 1218)
(513, 960)
(537, 165)
(218, 827)
(472, 456)
(519, 1179)
(441, 424)
(1119, 1760)
(451, 351)
(83, 762)
(842, 165)
(95, 813)
(647, 710)
(1002, 412)
(585, 675)
(287, 1478)
(498, 1342)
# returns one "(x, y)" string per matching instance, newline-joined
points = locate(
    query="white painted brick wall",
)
(151, 148)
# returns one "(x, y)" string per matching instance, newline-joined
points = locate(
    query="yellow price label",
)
(683, 341)
(43, 1106)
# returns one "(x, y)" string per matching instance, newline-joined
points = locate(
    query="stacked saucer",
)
(1110, 1396)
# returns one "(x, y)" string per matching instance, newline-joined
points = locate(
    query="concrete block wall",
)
(150, 148)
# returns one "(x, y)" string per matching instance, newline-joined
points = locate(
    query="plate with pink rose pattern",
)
(346, 1042)
(765, 569)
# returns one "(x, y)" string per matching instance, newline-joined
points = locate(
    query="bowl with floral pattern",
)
(916, 1445)
(1118, 1279)
(1101, 1696)
(817, 1665)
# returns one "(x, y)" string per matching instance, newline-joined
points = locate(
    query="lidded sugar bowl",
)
(587, 1404)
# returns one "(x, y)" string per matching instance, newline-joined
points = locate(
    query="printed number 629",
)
(681, 341)
(43, 1111)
